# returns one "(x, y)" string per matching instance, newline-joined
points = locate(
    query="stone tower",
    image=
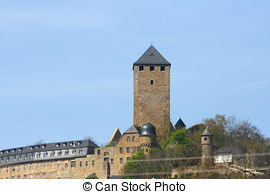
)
(152, 92)
(207, 148)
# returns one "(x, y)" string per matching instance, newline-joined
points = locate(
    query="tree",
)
(132, 166)
(92, 176)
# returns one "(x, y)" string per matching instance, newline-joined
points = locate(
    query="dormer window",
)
(141, 68)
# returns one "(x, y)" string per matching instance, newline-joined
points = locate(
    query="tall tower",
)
(152, 92)
(207, 148)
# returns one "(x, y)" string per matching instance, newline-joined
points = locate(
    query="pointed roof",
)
(206, 132)
(115, 136)
(132, 129)
(179, 124)
(151, 57)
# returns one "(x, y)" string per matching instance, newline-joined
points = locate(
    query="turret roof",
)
(152, 57)
(206, 132)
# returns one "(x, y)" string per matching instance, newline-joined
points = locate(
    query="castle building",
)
(78, 159)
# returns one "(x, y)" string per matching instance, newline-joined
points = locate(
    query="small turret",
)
(207, 148)
(148, 137)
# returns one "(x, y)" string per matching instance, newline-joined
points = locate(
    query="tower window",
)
(151, 82)
(205, 138)
(162, 68)
(120, 150)
(128, 138)
(128, 149)
(152, 68)
(141, 68)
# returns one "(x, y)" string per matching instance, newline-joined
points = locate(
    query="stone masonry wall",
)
(152, 101)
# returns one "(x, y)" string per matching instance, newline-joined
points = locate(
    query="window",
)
(73, 164)
(141, 68)
(66, 165)
(121, 150)
(162, 68)
(38, 165)
(205, 138)
(25, 176)
(45, 164)
(52, 154)
(128, 149)
(112, 161)
(151, 82)
(152, 68)
(30, 176)
(59, 165)
(38, 175)
(52, 164)
(44, 174)
(133, 138)
(19, 176)
(98, 152)
(38, 155)
(128, 138)
(86, 163)
(93, 162)
(80, 164)
(52, 173)
(121, 160)
(45, 154)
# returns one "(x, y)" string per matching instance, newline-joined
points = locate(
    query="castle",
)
(78, 159)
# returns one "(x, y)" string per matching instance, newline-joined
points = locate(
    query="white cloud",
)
(254, 84)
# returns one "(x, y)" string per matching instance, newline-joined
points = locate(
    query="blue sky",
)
(66, 66)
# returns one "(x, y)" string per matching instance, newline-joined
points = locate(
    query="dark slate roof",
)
(206, 132)
(151, 57)
(48, 147)
(132, 129)
(179, 124)
(148, 129)
(115, 136)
